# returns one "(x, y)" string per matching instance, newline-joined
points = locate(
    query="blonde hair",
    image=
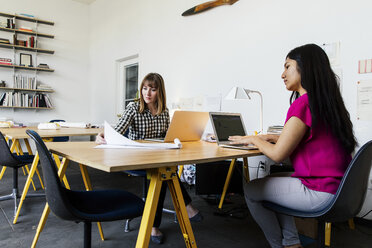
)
(158, 82)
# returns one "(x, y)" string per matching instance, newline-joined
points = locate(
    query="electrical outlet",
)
(262, 165)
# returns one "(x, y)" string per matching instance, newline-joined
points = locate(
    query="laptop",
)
(228, 124)
(186, 126)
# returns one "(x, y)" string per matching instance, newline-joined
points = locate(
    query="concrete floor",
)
(235, 229)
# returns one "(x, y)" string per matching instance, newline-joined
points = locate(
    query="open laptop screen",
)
(226, 125)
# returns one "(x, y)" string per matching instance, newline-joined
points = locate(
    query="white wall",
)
(206, 54)
(70, 60)
(244, 44)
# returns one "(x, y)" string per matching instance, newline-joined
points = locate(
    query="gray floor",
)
(237, 230)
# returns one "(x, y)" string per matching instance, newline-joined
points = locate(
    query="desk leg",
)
(227, 182)
(2, 172)
(41, 225)
(30, 153)
(44, 216)
(58, 163)
(246, 170)
(327, 238)
(18, 147)
(27, 185)
(182, 216)
(150, 209)
(88, 187)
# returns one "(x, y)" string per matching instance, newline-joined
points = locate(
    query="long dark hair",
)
(322, 85)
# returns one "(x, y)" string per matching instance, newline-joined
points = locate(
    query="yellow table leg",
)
(41, 225)
(180, 208)
(227, 182)
(2, 172)
(29, 150)
(27, 185)
(58, 163)
(327, 240)
(44, 216)
(19, 151)
(32, 181)
(151, 204)
(351, 224)
(246, 170)
(180, 170)
(88, 187)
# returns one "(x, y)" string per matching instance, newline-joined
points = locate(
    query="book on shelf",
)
(43, 66)
(26, 15)
(10, 23)
(3, 24)
(25, 30)
(43, 87)
(24, 82)
(6, 41)
(5, 61)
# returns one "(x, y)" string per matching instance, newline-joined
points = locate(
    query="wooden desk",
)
(160, 164)
(17, 134)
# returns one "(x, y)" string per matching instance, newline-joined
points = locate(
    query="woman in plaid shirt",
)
(149, 118)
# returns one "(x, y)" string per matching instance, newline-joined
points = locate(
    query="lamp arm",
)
(261, 107)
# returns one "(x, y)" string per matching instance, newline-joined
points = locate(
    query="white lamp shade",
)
(237, 93)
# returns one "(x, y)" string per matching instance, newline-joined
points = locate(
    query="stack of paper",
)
(48, 126)
(116, 140)
(74, 124)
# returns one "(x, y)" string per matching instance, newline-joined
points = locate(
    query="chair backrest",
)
(55, 193)
(350, 195)
(6, 157)
(62, 138)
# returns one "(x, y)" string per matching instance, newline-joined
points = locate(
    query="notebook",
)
(186, 126)
(228, 124)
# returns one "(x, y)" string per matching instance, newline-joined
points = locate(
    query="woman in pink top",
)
(317, 136)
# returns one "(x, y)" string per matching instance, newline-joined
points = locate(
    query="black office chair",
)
(62, 138)
(8, 159)
(85, 206)
(348, 199)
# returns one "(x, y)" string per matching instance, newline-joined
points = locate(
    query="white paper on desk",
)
(116, 140)
(74, 124)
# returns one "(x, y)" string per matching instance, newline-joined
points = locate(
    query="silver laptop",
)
(186, 126)
(228, 124)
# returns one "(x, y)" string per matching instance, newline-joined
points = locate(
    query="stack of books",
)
(43, 87)
(4, 41)
(27, 29)
(5, 61)
(45, 66)
(277, 129)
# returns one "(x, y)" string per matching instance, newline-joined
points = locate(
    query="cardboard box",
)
(307, 227)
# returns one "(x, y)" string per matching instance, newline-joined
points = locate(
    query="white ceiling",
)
(84, 1)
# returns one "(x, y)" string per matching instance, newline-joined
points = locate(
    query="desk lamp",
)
(240, 93)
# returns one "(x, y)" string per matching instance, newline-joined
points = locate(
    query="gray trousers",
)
(280, 230)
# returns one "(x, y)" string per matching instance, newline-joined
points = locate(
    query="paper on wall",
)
(364, 101)
(116, 140)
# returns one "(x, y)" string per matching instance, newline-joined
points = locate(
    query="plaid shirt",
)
(142, 126)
